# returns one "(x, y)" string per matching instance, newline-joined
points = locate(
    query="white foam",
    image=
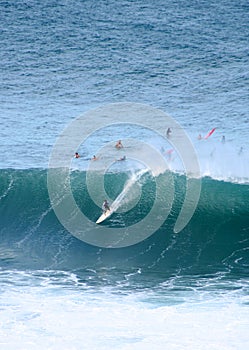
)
(58, 315)
(123, 198)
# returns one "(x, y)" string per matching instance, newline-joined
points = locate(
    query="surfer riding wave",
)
(105, 206)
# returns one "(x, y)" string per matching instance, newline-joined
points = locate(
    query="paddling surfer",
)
(122, 158)
(119, 144)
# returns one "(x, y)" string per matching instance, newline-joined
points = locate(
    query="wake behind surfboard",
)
(116, 204)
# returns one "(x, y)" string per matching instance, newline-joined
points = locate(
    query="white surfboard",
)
(104, 216)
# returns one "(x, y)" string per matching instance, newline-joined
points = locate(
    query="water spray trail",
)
(135, 177)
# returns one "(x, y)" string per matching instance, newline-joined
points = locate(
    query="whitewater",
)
(169, 268)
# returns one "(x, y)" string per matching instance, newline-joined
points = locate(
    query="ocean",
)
(169, 269)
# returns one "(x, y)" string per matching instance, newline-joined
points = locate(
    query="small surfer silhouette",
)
(169, 132)
(105, 206)
(119, 144)
(122, 158)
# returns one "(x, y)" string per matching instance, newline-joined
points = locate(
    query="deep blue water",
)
(61, 59)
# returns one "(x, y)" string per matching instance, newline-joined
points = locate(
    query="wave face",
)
(216, 238)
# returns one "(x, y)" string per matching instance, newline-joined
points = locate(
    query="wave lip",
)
(217, 234)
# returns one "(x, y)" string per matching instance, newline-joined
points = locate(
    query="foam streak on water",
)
(127, 188)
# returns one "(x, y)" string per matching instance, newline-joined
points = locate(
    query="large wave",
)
(215, 239)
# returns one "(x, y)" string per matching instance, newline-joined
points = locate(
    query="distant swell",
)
(216, 239)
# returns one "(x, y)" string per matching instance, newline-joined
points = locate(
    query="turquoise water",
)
(63, 59)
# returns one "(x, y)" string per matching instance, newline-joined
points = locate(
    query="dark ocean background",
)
(59, 59)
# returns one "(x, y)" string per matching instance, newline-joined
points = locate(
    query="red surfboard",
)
(209, 134)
